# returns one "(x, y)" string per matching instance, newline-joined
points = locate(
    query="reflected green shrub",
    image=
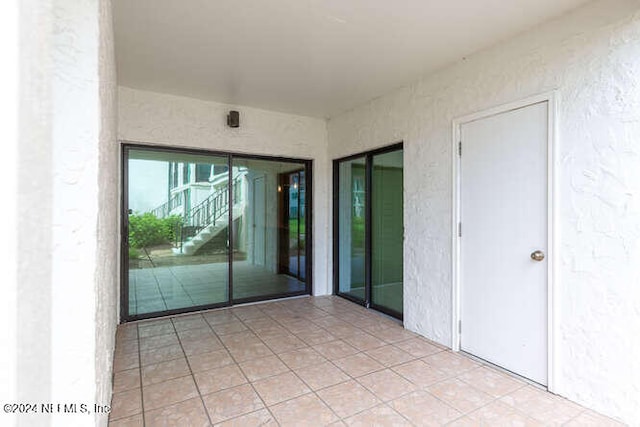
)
(148, 230)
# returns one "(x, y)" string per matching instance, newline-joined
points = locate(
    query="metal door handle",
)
(537, 256)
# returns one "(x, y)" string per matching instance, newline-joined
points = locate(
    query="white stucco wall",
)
(107, 260)
(154, 118)
(67, 229)
(9, 106)
(592, 58)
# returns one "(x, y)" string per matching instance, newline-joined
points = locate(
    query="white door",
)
(259, 213)
(503, 184)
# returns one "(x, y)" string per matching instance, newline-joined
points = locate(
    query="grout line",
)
(193, 378)
(144, 422)
(242, 372)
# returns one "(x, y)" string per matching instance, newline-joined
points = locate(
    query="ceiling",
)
(310, 57)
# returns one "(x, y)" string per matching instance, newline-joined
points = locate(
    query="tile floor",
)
(313, 362)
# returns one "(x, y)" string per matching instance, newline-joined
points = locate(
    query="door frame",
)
(552, 215)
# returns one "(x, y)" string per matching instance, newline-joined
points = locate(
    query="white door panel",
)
(503, 208)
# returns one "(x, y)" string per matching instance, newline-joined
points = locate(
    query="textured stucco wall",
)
(107, 263)
(9, 107)
(67, 274)
(592, 57)
(155, 118)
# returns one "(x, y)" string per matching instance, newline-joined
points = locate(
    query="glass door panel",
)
(386, 231)
(351, 229)
(265, 219)
(177, 231)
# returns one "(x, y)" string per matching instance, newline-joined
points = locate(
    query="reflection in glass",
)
(268, 204)
(177, 230)
(351, 236)
(387, 231)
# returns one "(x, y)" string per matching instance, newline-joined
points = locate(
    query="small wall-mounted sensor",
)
(233, 119)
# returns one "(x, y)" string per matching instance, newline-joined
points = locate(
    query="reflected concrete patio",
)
(172, 287)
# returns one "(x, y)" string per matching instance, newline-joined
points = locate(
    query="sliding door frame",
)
(368, 268)
(306, 165)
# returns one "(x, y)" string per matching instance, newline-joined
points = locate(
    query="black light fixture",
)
(233, 119)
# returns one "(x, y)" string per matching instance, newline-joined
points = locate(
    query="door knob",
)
(537, 255)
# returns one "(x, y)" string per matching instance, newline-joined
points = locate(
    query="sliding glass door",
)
(176, 231)
(203, 230)
(368, 229)
(386, 231)
(260, 238)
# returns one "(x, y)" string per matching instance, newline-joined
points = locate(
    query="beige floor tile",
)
(379, 416)
(281, 387)
(318, 376)
(316, 336)
(127, 331)
(202, 346)
(258, 418)
(248, 312)
(219, 379)
(240, 339)
(390, 355)
(459, 395)
(229, 328)
(423, 409)
(231, 403)
(466, 421)
(542, 406)
(169, 392)
(420, 373)
(497, 413)
(261, 323)
(126, 347)
(189, 413)
(418, 347)
(490, 381)
(419, 380)
(123, 362)
(329, 322)
(301, 358)
(162, 354)
(393, 334)
(335, 349)
(250, 351)
(196, 334)
(348, 398)
(283, 343)
(264, 367)
(218, 317)
(345, 330)
(156, 341)
(126, 404)
(307, 410)
(163, 371)
(133, 421)
(450, 363)
(126, 380)
(193, 321)
(205, 361)
(270, 331)
(166, 327)
(358, 364)
(364, 341)
(592, 419)
(387, 385)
